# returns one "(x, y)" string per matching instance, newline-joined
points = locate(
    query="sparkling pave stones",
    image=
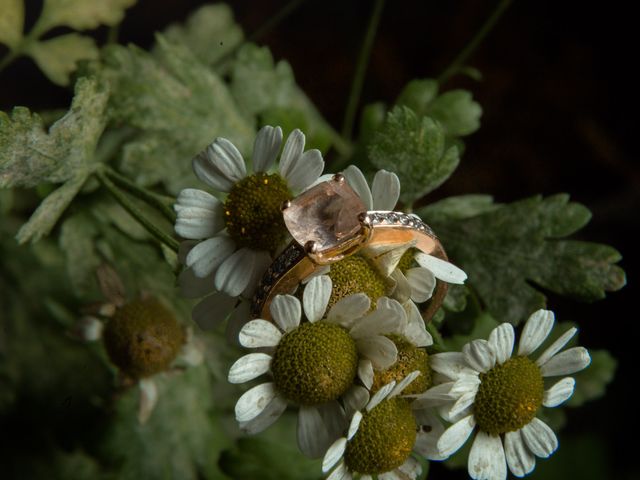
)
(325, 217)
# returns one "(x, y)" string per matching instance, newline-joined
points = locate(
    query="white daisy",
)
(312, 364)
(383, 433)
(498, 395)
(238, 236)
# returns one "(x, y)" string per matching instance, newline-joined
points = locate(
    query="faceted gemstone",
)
(326, 214)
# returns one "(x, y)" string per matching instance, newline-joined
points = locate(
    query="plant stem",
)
(361, 70)
(10, 57)
(157, 201)
(458, 62)
(135, 212)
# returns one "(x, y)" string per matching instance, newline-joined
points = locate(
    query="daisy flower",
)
(311, 364)
(238, 236)
(383, 433)
(498, 395)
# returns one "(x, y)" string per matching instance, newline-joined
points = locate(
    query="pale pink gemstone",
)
(326, 214)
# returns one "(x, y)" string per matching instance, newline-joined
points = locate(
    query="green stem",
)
(135, 212)
(461, 58)
(10, 57)
(157, 201)
(361, 70)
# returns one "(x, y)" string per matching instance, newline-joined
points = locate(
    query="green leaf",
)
(272, 455)
(82, 14)
(481, 328)
(57, 57)
(456, 110)
(30, 156)
(49, 211)
(414, 148)
(179, 104)
(592, 382)
(510, 250)
(459, 207)
(259, 85)
(11, 22)
(456, 299)
(181, 440)
(209, 33)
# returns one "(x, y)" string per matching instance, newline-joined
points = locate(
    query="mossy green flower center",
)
(315, 363)
(252, 211)
(407, 260)
(509, 396)
(384, 439)
(410, 359)
(355, 274)
(143, 338)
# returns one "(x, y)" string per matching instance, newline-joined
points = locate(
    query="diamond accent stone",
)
(326, 214)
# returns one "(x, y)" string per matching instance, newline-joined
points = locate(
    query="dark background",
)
(560, 115)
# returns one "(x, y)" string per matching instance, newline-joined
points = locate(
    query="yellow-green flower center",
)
(509, 396)
(252, 211)
(384, 439)
(407, 260)
(410, 359)
(355, 274)
(315, 363)
(143, 338)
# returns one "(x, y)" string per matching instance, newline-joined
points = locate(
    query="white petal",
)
(340, 473)
(442, 269)
(422, 282)
(266, 418)
(359, 184)
(239, 317)
(519, 459)
(355, 399)
(438, 395)
(334, 454)
(430, 429)
(349, 309)
(354, 424)
(404, 383)
(305, 170)
(380, 350)
(385, 190)
(556, 346)
(380, 395)
(465, 384)
(148, 399)
(461, 405)
(266, 148)
(535, 331)
(249, 367)
(415, 331)
(365, 372)
(539, 438)
(235, 273)
(311, 432)
(479, 355)
(259, 333)
(334, 422)
(285, 310)
(402, 290)
(261, 262)
(391, 475)
(207, 256)
(90, 328)
(501, 342)
(212, 310)
(386, 262)
(559, 393)
(451, 364)
(486, 459)
(567, 362)
(291, 152)
(411, 467)
(199, 214)
(316, 297)
(455, 436)
(192, 286)
(254, 401)
(220, 165)
(380, 321)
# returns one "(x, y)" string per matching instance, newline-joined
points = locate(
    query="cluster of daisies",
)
(348, 348)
